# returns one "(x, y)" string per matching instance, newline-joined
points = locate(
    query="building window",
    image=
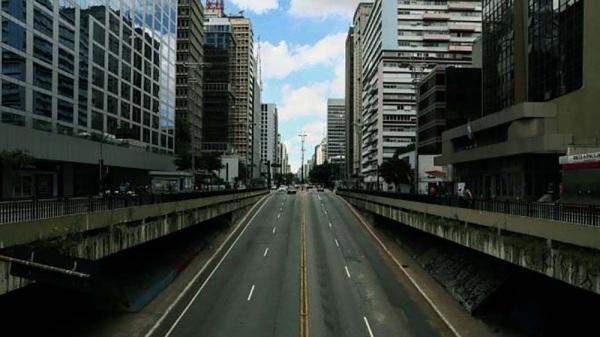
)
(16, 8)
(97, 99)
(555, 48)
(65, 111)
(498, 55)
(42, 104)
(15, 36)
(13, 96)
(65, 86)
(14, 119)
(13, 65)
(42, 22)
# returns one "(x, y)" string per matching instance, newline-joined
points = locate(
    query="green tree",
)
(322, 174)
(209, 161)
(396, 171)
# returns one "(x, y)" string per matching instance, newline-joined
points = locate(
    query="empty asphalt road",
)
(350, 289)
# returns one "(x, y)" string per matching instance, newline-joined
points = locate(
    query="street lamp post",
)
(302, 136)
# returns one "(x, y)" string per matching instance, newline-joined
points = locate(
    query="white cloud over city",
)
(282, 59)
(304, 101)
(323, 8)
(257, 6)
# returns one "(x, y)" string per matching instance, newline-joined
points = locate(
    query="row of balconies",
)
(452, 6)
(449, 48)
(451, 26)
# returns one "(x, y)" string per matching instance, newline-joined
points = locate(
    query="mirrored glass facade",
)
(89, 67)
(498, 55)
(555, 48)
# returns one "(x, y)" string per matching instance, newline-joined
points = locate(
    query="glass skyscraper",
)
(92, 68)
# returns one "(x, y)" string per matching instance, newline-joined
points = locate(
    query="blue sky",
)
(302, 48)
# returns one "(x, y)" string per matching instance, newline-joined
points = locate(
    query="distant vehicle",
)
(291, 190)
(282, 189)
(273, 188)
(309, 187)
(320, 189)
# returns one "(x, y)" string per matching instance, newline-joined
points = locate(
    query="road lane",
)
(334, 308)
(253, 293)
(352, 290)
(364, 287)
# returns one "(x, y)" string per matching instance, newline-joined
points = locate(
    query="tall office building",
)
(268, 133)
(219, 52)
(354, 92)
(88, 90)
(285, 164)
(256, 162)
(448, 97)
(278, 155)
(402, 42)
(336, 130)
(540, 98)
(243, 113)
(321, 152)
(190, 67)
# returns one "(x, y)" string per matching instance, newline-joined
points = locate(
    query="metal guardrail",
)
(571, 213)
(37, 209)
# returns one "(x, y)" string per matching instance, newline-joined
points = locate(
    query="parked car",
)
(291, 190)
(320, 188)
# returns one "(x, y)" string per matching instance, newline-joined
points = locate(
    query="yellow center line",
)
(303, 274)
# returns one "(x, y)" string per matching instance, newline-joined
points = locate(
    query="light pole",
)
(302, 136)
(101, 163)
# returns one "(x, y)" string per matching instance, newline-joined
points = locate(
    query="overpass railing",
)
(37, 209)
(571, 213)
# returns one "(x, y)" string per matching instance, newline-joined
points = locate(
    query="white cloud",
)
(305, 101)
(323, 8)
(280, 60)
(257, 6)
(338, 85)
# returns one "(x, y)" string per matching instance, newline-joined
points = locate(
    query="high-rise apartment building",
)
(87, 86)
(540, 98)
(402, 42)
(219, 52)
(243, 84)
(268, 133)
(285, 161)
(190, 58)
(336, 130)
(354, 92)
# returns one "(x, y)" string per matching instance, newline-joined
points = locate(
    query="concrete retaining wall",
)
(526, 246)
(96, 235)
